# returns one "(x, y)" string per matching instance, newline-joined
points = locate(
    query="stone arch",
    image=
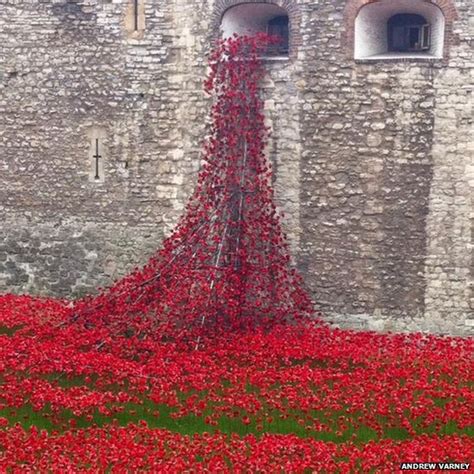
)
(290, 6)
(353, 7)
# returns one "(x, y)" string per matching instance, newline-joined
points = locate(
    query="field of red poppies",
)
(291, 399)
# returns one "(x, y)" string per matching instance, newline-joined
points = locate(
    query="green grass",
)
(9, 331)
(161, 416)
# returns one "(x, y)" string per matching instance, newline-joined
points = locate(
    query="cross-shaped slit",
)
(97, 157)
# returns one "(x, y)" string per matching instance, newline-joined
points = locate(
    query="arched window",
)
(251, 18)
(402, 29)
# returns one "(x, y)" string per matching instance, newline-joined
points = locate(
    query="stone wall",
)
(373, 161)
(71, 70)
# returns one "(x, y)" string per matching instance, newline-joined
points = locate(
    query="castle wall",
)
(373, 161)
(71, 69)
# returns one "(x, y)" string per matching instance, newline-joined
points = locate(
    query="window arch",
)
(251, 18)
(384, 29)
(225, 10)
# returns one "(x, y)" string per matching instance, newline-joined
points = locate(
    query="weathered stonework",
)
(373, 160)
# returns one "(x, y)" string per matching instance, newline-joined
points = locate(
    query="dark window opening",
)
(408, 32)
(279, 26)
(135, 15)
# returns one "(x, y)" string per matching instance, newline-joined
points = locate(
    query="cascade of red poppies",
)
(227, 264)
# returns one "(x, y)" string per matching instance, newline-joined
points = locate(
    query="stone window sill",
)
(399, 57)
(275, 58)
